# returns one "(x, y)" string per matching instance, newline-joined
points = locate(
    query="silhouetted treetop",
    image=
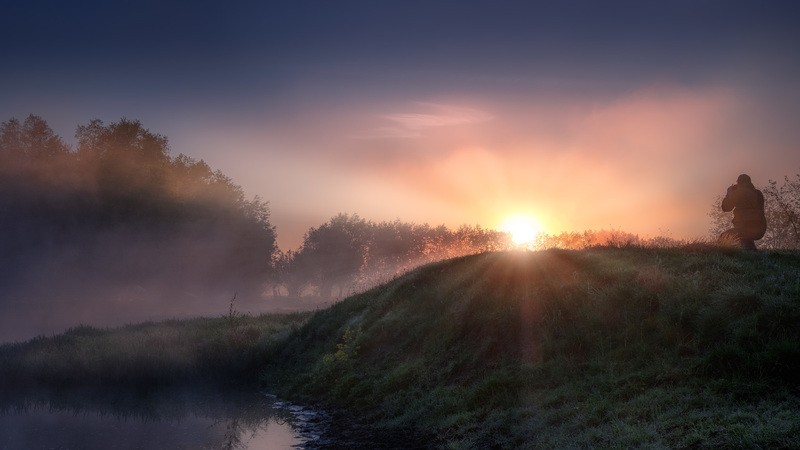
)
(31, 140)
(123, 139)
(131, 208)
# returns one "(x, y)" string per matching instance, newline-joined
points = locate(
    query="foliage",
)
(688, 346)
(70, 214)
(783, 214)
(224, 350)
(782, 210)
(604, 347)
(353, 254)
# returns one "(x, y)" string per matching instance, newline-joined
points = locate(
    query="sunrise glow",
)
(522, 228)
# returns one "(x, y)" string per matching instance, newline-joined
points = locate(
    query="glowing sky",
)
(586, 115)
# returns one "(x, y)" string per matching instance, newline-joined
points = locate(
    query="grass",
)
(604, 347)
(600, 347)
(224, 350)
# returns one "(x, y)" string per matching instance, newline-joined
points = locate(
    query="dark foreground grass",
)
(224, 350)
(606, 347)
(603, 347)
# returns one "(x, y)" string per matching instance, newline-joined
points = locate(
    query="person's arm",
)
(729, 202)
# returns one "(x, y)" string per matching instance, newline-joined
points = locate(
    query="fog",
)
(123, 277)
(118, 231)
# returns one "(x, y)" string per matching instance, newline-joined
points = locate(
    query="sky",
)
(627, 115)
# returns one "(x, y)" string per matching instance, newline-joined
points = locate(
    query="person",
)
(749, 222)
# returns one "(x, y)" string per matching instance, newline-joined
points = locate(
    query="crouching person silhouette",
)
(749, 223)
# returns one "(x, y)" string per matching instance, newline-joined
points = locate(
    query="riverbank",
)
(614, 347)
(227, 350)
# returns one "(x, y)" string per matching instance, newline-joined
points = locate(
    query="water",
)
(175, 419)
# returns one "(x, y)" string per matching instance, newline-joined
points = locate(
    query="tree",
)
(30, 141)
(335, 252)
(783, 214)
(293, 272)
(39, 139)
(127, 211)
(391, 248)
(12, 147)
(125, 139)
(127, 162)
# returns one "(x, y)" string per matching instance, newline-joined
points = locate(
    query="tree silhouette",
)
(120, 208)
(335, 252)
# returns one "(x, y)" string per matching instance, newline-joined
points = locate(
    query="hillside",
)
(601, 347)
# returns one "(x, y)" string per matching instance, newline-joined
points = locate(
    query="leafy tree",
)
(11, 140)
(39, 139)
(392, 247)
(29, 141)
(297, 275)
(125, 139)
(120, 207)
(335, 252)
(350, 253)
(128, 160)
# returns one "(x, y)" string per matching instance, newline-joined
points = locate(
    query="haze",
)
(576, 115)
(587, 115)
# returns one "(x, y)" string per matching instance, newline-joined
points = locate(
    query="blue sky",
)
(629, 115)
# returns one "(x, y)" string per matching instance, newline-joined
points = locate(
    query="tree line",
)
(118, 209)
(348, 254)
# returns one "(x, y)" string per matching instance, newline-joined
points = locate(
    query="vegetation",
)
(612, 347)
(186, 230)
(602, 347)
(634, 343)
(123, 215)
(782, 209)
(120, 211)
(227, 350)
(352, 254)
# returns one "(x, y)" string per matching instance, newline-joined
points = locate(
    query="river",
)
(186, 418)
(197, 418)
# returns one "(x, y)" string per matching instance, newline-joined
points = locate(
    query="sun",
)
(522, 228)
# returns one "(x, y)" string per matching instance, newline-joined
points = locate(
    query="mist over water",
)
(29, 311)
(117, 280)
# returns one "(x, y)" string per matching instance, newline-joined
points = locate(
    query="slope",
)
(600, 347)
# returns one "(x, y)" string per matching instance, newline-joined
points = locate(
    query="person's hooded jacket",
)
(747, 204)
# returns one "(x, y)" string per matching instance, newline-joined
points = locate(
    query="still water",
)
(178, 419)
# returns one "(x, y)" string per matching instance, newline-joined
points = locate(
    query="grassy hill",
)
(605, 347)
(601, 347)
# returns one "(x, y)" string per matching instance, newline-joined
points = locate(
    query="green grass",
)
(601, 347)
(604, 347)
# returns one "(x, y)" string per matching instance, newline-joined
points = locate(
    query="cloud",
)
(650, 159)
(427, 116)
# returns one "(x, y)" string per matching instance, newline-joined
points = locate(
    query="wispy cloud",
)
(426, 117)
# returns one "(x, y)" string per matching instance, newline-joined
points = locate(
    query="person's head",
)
(743, 179)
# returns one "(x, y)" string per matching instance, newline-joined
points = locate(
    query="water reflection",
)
(178, 419)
